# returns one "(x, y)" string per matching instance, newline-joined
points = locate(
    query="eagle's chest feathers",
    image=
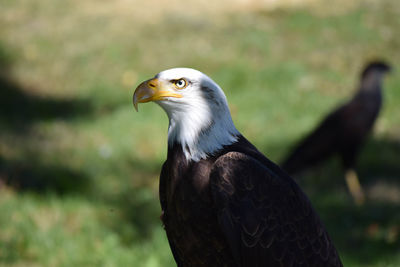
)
(189, 217)
(187, 186)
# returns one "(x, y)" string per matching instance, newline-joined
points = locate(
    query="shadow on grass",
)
(365, 235)
(137, 206)
(41, 178)
(380, 157)
(19, 109)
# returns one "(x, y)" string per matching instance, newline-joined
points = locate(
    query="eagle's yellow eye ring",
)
(180, 83)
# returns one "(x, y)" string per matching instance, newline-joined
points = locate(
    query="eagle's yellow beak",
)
(152, 90)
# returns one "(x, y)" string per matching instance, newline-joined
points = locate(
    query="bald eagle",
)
(223, 202)
(343, 131)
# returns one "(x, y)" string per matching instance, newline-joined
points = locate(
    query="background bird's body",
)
(343, 132)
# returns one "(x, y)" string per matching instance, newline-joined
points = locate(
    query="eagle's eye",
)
(180, 84)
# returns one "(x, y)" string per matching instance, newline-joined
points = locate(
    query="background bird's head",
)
(376, 67)
(372, 76)
(199, 117)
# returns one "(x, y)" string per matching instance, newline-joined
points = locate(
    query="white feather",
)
(200, 121)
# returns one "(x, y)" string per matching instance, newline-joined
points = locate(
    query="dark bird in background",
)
(343, 131)
(223, 202)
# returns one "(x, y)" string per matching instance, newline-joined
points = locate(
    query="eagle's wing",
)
(266, 219)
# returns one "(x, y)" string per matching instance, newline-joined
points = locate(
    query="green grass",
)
(79, 168)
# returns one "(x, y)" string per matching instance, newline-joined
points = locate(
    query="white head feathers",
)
(199, 121)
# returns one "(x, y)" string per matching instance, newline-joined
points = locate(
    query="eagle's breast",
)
(189, 213)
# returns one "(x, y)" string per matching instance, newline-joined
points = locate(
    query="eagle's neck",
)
(202, 132)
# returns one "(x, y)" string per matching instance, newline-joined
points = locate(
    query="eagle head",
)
(199, 117)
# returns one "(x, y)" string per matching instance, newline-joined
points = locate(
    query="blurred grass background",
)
(79, 168)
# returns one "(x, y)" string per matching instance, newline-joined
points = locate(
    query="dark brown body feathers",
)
(239, 209)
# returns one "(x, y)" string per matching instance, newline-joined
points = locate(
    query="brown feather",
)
(237, 208)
